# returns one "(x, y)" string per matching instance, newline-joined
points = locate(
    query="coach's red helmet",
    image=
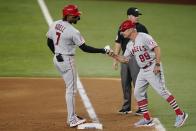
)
(127, 24)
(71, 10)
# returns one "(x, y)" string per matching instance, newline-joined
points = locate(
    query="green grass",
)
(23, 50)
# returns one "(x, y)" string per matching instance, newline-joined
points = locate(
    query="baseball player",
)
(147, 54)
(130, 70)
(62, 39)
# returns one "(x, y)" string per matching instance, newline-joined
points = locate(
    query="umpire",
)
(129, 71)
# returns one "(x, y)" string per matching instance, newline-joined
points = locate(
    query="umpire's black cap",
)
(133, 11)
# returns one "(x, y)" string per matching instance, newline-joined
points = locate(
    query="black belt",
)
(65, 54)
(147, 65)
(70, 55)
(59, 57)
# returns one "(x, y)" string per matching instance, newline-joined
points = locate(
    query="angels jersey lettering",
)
(142, 49)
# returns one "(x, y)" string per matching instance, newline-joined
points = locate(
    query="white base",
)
(90, 126)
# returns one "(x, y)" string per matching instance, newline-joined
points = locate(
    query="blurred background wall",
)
(169, 1)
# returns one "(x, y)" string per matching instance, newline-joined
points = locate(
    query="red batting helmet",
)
(127, 24)
(71, 10)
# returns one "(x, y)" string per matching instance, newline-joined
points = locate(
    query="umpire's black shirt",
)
(123, 41)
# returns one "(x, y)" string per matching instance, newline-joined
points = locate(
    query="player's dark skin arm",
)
(50, 44)
(90, 49)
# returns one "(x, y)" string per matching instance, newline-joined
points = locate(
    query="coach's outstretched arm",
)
(121, 59)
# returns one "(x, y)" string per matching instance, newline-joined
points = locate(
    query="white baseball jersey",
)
(65, 37)
(141, 48)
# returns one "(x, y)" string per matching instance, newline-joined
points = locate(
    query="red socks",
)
(143, 106)
(171, 100)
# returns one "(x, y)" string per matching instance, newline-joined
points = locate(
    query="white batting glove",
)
(108, 50)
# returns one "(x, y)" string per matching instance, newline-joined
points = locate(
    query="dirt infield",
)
(33, 104)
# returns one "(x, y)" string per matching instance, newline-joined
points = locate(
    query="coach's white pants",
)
(146, 77)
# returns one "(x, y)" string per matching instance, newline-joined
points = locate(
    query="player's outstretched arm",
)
(90, 49)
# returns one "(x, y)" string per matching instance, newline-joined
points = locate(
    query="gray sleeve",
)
(128, 52)
(49, 33)
(78, 39)
(150, 42)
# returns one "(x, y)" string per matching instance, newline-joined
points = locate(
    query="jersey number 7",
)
(58, 37)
